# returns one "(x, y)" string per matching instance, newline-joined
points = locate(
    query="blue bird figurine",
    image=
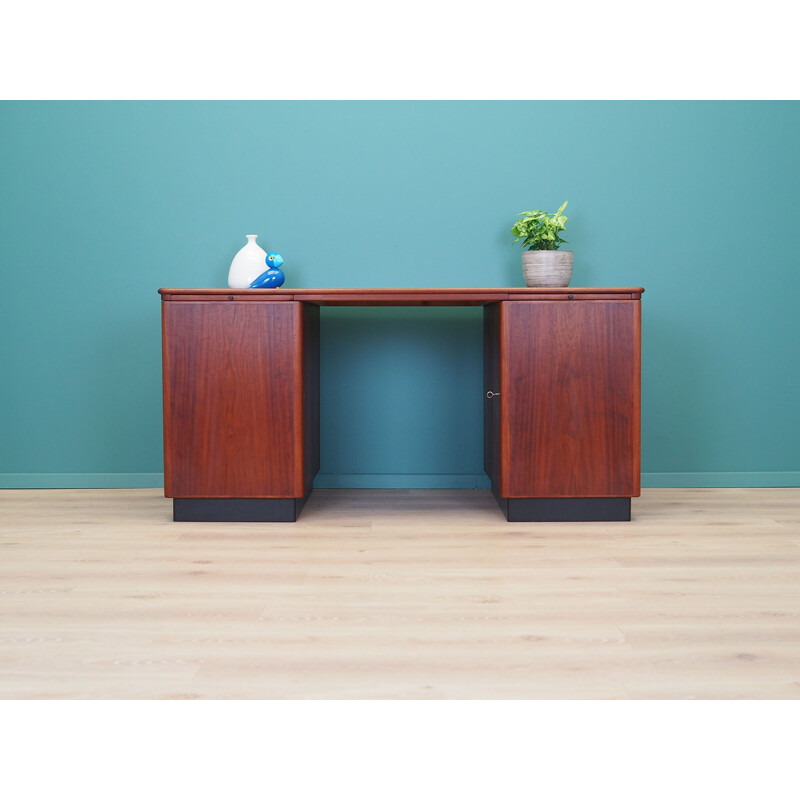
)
(273, 277)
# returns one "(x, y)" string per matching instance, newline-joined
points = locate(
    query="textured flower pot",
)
(547, 267)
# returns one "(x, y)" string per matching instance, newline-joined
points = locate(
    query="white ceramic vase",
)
(247, 264)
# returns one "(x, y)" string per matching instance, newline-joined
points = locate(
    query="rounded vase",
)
(247, 264)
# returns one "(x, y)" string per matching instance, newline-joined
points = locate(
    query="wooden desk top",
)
(405, 297)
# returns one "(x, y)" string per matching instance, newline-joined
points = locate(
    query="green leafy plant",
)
(539, 230)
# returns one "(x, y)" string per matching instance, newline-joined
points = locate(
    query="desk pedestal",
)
(241, 409)
(561, 408)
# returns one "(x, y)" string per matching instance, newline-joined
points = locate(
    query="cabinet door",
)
(232, 399)
(571, 398)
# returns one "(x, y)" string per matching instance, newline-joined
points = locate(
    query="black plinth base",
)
(565, 509)
(236, 509)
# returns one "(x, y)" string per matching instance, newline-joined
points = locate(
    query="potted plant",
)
(543, 264)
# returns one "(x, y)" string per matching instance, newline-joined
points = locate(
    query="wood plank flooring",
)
(400, 594)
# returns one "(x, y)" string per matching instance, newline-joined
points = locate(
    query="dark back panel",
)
(311, 432)
(491, 383)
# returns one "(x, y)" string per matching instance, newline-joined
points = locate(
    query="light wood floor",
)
(400, 594)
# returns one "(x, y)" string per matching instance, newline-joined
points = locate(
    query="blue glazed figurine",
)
(273, 277)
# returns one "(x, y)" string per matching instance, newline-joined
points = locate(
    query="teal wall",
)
(102, 203)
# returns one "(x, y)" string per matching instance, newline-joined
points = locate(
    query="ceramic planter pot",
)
(547, 267)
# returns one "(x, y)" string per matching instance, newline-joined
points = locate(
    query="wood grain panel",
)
(420, 296)
(224, 295)
(571, 399)
(514, 294)
(229, 399)
(411, 298)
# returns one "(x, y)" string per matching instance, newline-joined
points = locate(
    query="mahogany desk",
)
(561, 398)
